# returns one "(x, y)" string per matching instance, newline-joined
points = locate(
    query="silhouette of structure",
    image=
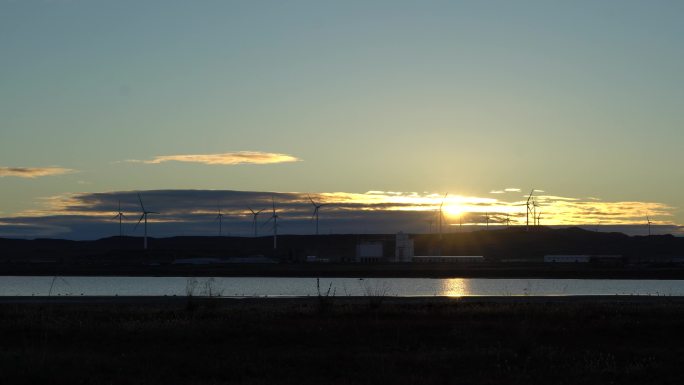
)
(274, 217)
(144, 215)
(219, 218)
(120, 215)
(254, 220)
(317, 207)
(441, 215)
(529, 210)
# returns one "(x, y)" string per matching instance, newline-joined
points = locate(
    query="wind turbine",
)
(539, 218)
(274, 217)
(527, 214)
(487, 219)
(317, 207)
(120, 215)
(219, 218)
(254, 219)
(441, 215)
(143, 216)
(648, 222)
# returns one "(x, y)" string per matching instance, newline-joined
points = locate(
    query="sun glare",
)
(453, 210)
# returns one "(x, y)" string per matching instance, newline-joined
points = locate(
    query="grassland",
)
(343, 341)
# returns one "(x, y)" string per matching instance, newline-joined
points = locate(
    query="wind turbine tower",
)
(219, 218)
(144, 215)
(527, 214)
(648, 222)
(254, 219)
(441, 215)
(317, 207)
(120, 215)
(274, 217)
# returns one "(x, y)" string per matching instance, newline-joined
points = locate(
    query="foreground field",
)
(343, 341)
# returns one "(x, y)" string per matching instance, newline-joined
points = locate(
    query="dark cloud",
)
(193, 212)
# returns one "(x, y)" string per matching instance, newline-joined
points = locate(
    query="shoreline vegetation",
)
(350, 270)
(361, 340)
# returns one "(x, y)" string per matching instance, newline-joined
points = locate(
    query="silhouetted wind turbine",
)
(317, 207)
(527, 214)
(487, 219)
(441, 215)
(254, 219)
(274, 217)
(648, 222)
(120, 215)
(219, 218)
(143, 216)
(539, 218)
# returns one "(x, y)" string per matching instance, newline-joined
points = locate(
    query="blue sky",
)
(581, 99)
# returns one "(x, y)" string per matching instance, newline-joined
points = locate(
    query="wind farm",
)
(341, 192)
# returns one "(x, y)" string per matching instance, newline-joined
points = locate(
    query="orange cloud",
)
(33, 172)
(228, 158)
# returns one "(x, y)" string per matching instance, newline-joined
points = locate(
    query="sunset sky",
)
(377, 108)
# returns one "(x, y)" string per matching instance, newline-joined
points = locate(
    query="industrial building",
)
(448, 258)
(403, 249)
(368, 252)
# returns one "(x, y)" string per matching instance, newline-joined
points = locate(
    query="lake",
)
(302, 287)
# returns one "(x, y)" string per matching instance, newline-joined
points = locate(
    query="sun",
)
(453, 210)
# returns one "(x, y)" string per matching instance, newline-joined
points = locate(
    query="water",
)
(301, 287)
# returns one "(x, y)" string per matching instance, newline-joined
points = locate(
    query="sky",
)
(204, 104)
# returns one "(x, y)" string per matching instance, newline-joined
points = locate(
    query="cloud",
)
(497, 192)
(33, 172)
(193, 212)
(512, 189)
(228, 158)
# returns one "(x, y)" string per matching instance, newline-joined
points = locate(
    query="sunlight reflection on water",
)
(340, 287)
(455, 287)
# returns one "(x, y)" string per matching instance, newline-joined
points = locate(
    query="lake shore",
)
(351, 270)
(360, 340)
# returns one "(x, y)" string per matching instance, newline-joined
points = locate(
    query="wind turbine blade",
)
(312, 201)
(139, 220)
(250, 210)
(267, 222)
(116, 216)
(257, 213)
(141, 204)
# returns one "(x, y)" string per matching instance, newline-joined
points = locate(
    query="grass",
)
(292, 342)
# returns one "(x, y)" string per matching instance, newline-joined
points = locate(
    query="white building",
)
(403, 251)
(369, 252)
